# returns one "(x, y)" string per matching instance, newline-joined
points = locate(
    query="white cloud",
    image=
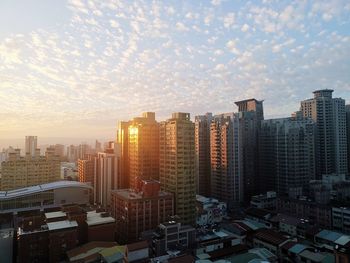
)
(181, 27)
(229, 20)
(245, 28)
(231, 45)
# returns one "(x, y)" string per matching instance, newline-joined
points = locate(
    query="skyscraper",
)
(347, 107)
(202, 143)
(330, 117)
(122, 140)
(250, 114)
(287, 154)
(177, 164)
(143, 148)
(225, 160)
(31, 144)
(105, 176)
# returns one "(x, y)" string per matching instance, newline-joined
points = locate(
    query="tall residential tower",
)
(330, 117)
(177, 164)
(250, 114)
(143, 148)
(225, 160)
(202, 142)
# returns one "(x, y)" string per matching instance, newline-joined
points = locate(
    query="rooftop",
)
(137, 245)
(297, 248)
(56, 214)
(270, 236)
(317, 257)
(62, 225)
(329, 235)
(131, 194)
(93, 218)
(5, 195)
(289, 220)
(88, 250)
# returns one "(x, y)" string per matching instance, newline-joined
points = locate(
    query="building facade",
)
(177, 164)
(330, 117)
(347, 108)
(251, 113)
(202, 143)
(140, 209)
(122, 140)
(31, 144)
(105, 176)
(86, 169)
(19, 172)
(225, 160)
(143, 148)
(287, 154)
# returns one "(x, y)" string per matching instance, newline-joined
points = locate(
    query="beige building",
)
(20, 172)
(177, 164)
(143, 148)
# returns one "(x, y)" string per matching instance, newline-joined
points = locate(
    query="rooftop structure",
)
(95, 218)
(62, 225)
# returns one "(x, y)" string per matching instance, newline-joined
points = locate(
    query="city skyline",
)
(73, 69)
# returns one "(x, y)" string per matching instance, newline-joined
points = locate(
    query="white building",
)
(105, 176)
(209, 210)
(264, 201)
(341, 219)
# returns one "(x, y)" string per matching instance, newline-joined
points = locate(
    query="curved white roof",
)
(5, 195)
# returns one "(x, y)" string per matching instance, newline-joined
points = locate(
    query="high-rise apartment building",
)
(58, 150)
(347, 108)
(202, 144)
(330, 117)
(105, 176)
(177, 164)
(122, 140)
(225, 160)
(143, 148)
(31, 144)
(250, 114)
(86, 169)
(75, 152)
(287, 155)
(140, 209)
(20, 172)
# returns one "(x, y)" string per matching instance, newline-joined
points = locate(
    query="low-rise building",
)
(262, 216)
(139, 210)
(137, 252)
(45, 196)
(329, 240)
(100, 226)
(341, 219)
(172, 235)
(316, 214)
(209, 210)
(269, 239)
(96, 251)
(264, 201)
(287, 224)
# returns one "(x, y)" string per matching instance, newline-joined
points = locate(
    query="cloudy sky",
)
(74, 68)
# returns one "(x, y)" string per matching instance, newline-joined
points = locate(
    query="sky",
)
(73, 69)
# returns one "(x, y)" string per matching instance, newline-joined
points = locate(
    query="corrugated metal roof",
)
(5, 195)
(329, 235)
